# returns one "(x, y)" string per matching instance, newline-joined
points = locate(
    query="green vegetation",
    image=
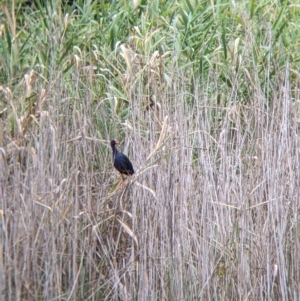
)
(204, 96)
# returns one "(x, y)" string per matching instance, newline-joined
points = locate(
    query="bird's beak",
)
(117, 142)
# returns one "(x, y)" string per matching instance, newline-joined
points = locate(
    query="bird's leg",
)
(122, 181)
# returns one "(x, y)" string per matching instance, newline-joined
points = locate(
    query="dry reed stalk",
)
(3, 176)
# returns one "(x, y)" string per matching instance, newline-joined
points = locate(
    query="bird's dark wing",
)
(123, 164)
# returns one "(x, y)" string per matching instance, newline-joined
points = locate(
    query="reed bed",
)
(205, 100)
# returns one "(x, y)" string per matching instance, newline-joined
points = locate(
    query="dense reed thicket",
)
(204, 96)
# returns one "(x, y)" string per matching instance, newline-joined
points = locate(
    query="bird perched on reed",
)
(121, 162)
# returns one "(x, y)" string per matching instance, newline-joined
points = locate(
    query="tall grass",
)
(205, 99)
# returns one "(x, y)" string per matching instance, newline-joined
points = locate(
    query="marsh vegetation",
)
(204, 98)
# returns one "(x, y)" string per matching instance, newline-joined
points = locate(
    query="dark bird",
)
(121, 162)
